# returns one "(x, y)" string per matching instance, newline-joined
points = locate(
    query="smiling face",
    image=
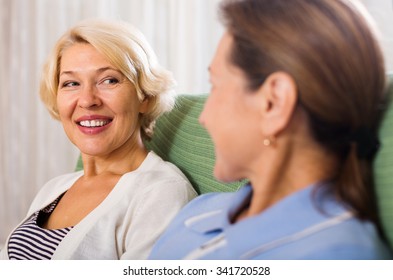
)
(98, 106)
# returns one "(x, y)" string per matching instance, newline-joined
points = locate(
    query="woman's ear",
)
(144, 105)
(279, 93)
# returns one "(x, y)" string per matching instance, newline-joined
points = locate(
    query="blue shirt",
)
(309, 224)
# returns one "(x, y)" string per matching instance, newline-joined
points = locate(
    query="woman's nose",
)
(89, 97)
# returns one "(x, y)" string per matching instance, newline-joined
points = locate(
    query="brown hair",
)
(330, 49)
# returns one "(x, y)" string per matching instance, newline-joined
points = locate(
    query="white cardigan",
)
(130, 219)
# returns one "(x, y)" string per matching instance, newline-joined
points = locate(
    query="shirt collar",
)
(300, 205)
(219, 219)
(301, 210)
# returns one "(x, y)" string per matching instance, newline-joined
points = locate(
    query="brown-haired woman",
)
(297, 89)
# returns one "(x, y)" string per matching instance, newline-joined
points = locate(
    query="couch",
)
(383, 167)
(180, 139)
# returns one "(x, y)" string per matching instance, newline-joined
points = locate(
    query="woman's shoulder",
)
(205, 204)
(352, 239)
(61, 182)
(158, 178)
(188, 228)
(362, 239)
(53, 188)
(155, 166)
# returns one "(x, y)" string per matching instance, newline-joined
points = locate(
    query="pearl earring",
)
(266, 142)
(269, 141)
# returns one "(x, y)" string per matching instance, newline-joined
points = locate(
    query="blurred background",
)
(33, 147)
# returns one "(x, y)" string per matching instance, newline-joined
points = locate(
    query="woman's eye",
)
(110, 81)
(70, 84)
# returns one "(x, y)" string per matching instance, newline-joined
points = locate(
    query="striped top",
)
(32, 242)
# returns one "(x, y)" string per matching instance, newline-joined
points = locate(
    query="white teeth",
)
(93, 123)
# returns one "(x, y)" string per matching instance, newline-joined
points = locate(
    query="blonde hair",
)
(126, 49)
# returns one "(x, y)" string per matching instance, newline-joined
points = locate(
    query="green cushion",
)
(180, 139)
(383, 170)
(79, 164)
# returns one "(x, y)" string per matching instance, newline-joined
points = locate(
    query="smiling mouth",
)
(94, 123)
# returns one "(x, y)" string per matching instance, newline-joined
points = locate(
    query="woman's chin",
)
(224, 176)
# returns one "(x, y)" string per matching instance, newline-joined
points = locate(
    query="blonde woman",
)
(103, 82)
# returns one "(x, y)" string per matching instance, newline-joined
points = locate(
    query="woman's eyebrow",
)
(99, 70)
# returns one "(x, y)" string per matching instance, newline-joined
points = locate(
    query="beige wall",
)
(382, 12)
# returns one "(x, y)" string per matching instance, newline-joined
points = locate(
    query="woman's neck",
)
(293, 168)
(118, 162)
